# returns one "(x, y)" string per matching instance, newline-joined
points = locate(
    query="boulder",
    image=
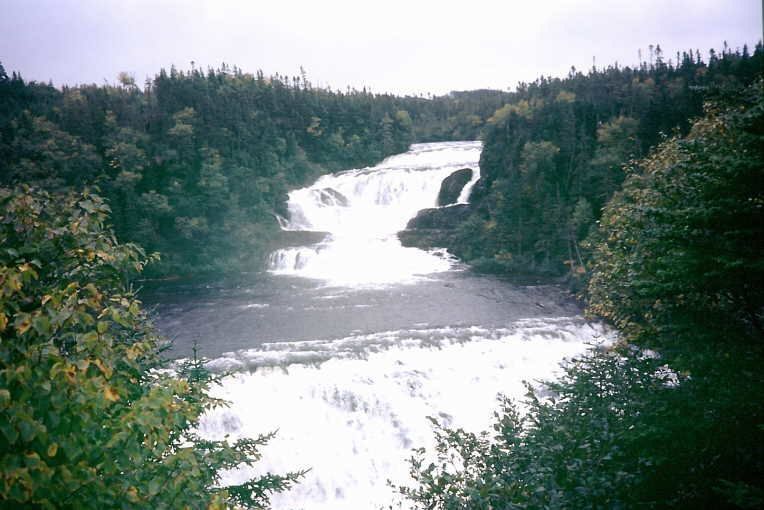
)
(432, 228)
(427, 239)
(453, 185)
(440, 218)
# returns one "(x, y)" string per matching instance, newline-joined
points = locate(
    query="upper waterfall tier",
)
(362, 210)
(381, 199)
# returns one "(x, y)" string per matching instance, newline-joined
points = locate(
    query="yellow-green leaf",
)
(110, 394)
(23, 323)
(103, 368)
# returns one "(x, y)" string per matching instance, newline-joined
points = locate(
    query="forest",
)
(196, 165)
(642, 187)
(554, 154)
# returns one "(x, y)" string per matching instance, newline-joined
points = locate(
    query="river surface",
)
(347, 345)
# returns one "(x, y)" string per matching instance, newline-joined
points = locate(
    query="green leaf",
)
(41, 324)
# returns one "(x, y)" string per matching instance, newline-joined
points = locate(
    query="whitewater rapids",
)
(354, 418)
(346, 346)
(362, 210)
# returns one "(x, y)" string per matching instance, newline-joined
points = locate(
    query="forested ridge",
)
(195, 165)
(554, 153)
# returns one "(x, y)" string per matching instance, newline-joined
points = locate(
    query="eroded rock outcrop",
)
(452, 186)
(435, 227)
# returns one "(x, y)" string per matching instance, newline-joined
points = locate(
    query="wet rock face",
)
(432, 228)
(440, 218)
(452, 186)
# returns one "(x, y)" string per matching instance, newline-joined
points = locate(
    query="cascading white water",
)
(352, 408)
(361, 210)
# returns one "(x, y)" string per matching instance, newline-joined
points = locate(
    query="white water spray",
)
(362, 210)
(354, 415)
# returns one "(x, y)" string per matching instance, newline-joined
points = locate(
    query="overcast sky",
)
(400, 46)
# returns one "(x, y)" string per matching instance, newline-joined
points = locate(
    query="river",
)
(347, 345)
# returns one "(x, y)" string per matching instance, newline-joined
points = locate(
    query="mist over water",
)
(346, 346)
(362, 210)
(354, 418)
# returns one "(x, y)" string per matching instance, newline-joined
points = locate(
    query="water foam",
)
(352, 409)
(363, 209)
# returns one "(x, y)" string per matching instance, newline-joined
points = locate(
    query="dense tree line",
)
(196, 164)
(553, 154)
(671, 416)
(459, 115)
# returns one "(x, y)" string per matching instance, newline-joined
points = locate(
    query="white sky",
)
(400, 46)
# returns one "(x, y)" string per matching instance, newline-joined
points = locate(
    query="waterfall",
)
(347, 361)
(361, 210)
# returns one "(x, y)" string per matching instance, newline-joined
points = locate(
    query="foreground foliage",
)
(618, 430)
(581, 448)
(88, 418)
(677, 267)
(679, 250)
